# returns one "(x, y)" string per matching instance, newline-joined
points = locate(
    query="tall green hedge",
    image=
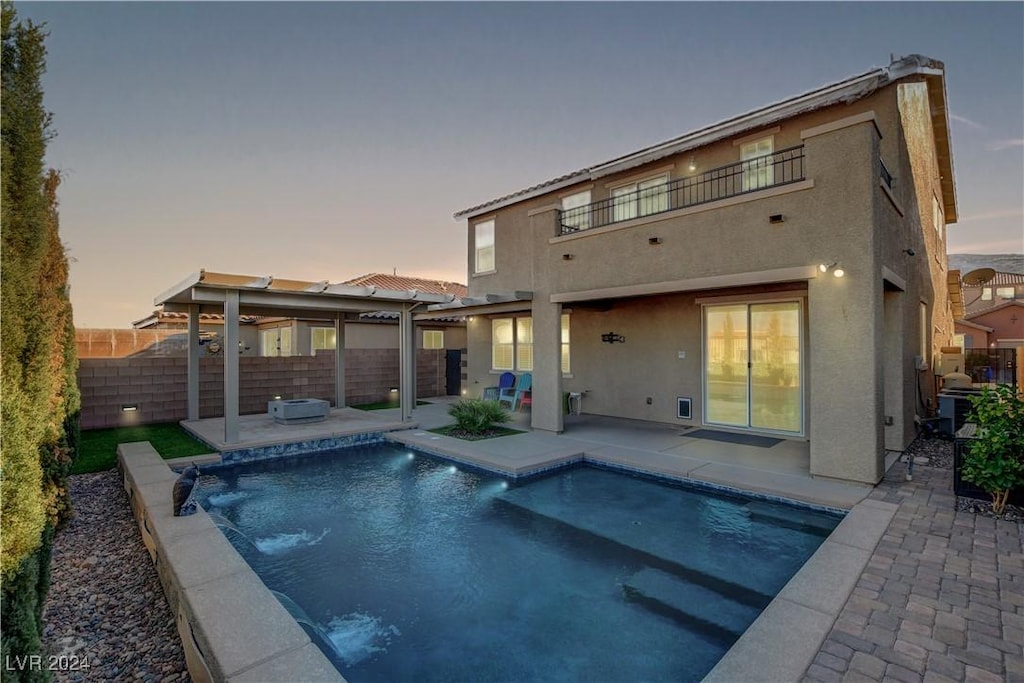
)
(38, 365)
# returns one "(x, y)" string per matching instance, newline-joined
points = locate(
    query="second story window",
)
(986, 294)
(640, 199)
(483, 241)
(575, 212)
(1004, 292)
(758, 171)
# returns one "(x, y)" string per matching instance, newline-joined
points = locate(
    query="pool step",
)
(690, 604)
(565, 533)
(791, 518)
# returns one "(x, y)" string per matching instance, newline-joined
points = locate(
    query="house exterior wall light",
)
(837, 270)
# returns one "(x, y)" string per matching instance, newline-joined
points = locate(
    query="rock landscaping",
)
(105, 615)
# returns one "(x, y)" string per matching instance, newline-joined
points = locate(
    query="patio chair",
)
(514, 396)
(505, 382)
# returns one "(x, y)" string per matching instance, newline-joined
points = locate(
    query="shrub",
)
(477, 416)
(994, 460)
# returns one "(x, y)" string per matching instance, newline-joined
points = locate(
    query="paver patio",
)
(941, 599)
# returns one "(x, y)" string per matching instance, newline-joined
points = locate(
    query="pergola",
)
(235, 295)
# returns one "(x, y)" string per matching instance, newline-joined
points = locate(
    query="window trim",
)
(565, 347)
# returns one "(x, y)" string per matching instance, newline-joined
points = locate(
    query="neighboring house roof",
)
(385, 281)
(976, 326)
(1001, 279)
(841, 92)
(161, 316)
(992, 309)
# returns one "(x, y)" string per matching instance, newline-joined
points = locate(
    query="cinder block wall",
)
(157, 386)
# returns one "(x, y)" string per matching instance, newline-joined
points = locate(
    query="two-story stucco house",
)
(782, 272)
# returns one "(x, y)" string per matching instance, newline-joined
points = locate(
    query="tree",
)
(38, 387)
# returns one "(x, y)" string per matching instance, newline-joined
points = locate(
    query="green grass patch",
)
(98, 448)
(492, 433)
(384, 405)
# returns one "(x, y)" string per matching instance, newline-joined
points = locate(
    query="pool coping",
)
(779, 646)
(231, 626)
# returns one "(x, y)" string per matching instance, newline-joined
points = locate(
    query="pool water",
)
(405, 567)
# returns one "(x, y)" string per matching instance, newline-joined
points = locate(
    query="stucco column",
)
(192, 374)
(339, 361)
(231, 366)
(547, 367)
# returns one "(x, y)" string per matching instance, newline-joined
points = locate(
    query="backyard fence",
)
(153, 389)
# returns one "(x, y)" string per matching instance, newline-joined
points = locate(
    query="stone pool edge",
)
(231, 626)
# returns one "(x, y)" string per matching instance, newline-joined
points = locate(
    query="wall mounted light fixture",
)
(909, 252)
(693, 164)
(837, 270)
(611, 338)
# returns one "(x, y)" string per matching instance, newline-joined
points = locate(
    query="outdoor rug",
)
(729, 437)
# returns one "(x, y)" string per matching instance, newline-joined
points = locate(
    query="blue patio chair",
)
(514, 395)
(505, 382)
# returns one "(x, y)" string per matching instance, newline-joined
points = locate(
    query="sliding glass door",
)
(752, 366)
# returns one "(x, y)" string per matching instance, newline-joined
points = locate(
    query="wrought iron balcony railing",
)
(782, 167)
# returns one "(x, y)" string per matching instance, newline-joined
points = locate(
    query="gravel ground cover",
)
(936, 452)
(106, 608)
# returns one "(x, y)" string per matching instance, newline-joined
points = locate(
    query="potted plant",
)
(994, 460)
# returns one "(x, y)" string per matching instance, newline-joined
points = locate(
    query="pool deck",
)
(905, 588)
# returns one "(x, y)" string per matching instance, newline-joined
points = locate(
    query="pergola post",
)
(407, 363)
(231, 366)
(339, 361)
(192, 381)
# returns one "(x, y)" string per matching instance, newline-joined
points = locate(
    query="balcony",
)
(743, 177)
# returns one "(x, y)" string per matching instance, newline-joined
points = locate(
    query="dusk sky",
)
(328, 140)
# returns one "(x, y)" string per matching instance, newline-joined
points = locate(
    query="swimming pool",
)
(411, 568)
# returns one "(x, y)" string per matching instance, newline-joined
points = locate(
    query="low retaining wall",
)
(231, 626)
(157, 386)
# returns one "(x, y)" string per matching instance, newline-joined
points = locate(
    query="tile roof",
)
(400, 282)
(1001, 279)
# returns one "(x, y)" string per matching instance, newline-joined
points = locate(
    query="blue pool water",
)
(406, 567)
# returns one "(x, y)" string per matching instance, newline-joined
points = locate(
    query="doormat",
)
(730, 437)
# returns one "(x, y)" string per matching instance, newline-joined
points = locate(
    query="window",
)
(512, 344)
(502, 344)
(986, 294)
(484, 243)
(524, 343)
(565, 344)
(1004, 292)
(758, 170)
(322, 339)
(276, 341)
(433, 339)
(575, 213)
(640, 199)
(923, 331)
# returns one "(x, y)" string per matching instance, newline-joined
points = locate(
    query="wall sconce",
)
(567, 257)
(837, 270)
(693, 164)
(129, 407)
(611, 338)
